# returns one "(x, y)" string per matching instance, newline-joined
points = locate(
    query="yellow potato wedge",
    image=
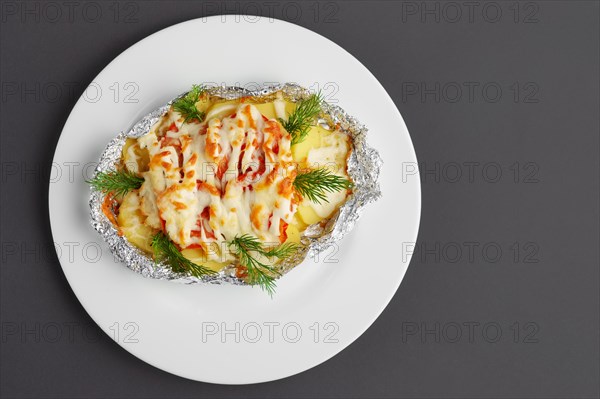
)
(197, 256)
(131, 222)
(267, 109)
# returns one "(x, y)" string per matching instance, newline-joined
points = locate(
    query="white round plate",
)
(222, 333)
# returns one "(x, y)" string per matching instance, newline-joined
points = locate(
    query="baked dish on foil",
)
(225, 184)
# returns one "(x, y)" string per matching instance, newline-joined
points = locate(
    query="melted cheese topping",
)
(206, 183)
(210, 182)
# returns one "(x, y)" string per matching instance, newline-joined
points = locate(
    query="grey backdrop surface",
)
(501, 100)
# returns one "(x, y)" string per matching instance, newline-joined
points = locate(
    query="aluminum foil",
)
(364, 165)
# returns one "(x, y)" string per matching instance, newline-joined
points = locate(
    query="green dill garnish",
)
(166, 251)
(259, 273)
(116, 182)
(316, 183)
(303, 117)
(186, 105)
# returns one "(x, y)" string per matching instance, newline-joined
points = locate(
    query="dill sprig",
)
(303, 117)
(316, 183)
(186, 105)
(259, 273)
(166, 251)
(116, 182)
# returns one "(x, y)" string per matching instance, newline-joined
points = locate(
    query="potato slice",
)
(131, 222)
(197, 256)
(308, 215)
(221, 109)
(129, 157)
(312, 140)
(135, 159)
(267, 109)
(299, 223)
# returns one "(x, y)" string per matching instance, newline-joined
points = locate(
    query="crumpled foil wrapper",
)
(363, 168)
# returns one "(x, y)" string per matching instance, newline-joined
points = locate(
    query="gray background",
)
(534, 234)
